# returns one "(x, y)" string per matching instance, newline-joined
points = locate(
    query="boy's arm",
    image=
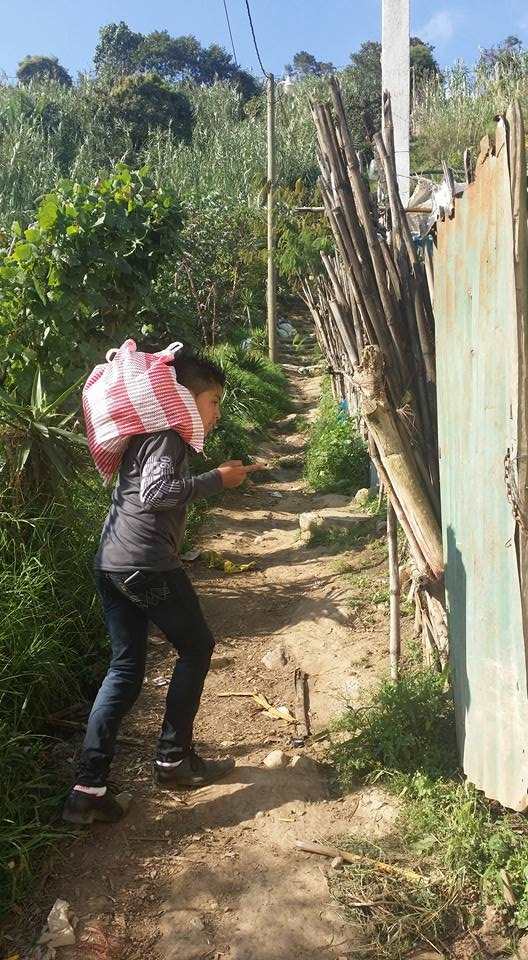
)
(162, 485)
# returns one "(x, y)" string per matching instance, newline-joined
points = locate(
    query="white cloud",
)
(440, 27)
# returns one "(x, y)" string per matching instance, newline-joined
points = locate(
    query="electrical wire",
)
(230, 33)
(265, 72)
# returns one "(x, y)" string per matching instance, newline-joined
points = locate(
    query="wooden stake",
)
(394, 586)
(301, 704)
(272, 277)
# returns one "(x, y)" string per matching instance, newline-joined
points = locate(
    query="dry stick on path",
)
(388, 868)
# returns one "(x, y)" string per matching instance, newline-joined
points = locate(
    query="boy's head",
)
(205, 380)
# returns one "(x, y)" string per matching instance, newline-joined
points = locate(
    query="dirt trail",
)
(214, 874)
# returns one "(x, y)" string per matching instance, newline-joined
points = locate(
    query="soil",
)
(215, 873)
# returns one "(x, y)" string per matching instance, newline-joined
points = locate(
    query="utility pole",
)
(272, 275)
(395, 72)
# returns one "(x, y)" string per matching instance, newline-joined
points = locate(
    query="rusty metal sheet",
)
(480, 407)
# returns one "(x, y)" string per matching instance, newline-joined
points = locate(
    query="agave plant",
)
(40, 449)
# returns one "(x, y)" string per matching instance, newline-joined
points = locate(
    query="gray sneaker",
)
(193, 771)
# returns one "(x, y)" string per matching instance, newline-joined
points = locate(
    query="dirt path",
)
(214, 874)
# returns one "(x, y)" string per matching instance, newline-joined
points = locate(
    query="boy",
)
(139, 579)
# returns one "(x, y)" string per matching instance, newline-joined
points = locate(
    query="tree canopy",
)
(121, 50)
(304, 64)
(364, 97)
(146, 101)
(43, 68)
(503, 54)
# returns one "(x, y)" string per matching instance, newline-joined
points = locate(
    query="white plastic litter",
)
(59, 931)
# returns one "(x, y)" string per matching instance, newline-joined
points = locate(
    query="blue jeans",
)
(168, 600)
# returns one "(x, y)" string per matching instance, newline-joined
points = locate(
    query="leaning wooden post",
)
(394, 587)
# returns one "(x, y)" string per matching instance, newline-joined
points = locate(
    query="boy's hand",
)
(233, 472)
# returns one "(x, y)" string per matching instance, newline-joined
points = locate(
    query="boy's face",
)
(208, 403)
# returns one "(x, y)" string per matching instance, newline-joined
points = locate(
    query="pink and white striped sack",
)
(134, 393)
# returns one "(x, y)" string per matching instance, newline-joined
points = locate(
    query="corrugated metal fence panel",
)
(477, 376)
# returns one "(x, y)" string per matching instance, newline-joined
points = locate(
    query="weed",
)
(446, 830)
(381, 597)
(339, 538)
(336, 458)
(409, 726)
(376, 506)
(301, 425)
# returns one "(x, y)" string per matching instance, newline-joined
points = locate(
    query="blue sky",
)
(330, 29)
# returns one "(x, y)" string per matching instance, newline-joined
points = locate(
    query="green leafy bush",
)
(337, 457)
(409, 726)
(82, 270)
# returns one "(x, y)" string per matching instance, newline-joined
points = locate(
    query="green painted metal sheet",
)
(478, 379)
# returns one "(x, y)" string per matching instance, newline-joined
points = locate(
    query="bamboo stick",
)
(361, 199)
(381, 421)
(394, 587)
(376, 321)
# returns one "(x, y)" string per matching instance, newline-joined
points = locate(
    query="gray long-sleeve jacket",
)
(146, 521)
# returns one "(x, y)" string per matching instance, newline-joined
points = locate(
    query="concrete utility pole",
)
(272, 275)
(395, 72)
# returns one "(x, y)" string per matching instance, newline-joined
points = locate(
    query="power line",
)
(265, 72)
(230, 33)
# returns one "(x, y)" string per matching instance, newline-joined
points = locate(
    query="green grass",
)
(52, 646)
(255, 396)
(446, 831)
(454, 112)
(340, 539)
(336, 457)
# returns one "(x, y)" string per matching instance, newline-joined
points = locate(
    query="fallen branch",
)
(276, 713)
(378, 865)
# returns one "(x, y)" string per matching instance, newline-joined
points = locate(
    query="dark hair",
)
(196, 372)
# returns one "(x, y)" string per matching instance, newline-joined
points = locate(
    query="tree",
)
(423, 63)
(364, 99)
(504, 54)
(146, 101)
(364, 84)
(246, 84)
(117, 48)
(172, 58)
(305, 65)
(214, 63)
(43, 68)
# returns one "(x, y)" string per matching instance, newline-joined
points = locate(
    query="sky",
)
(330, 29)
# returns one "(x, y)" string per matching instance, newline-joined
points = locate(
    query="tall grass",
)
(48, 132)
(51, 645)
(455, 111)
